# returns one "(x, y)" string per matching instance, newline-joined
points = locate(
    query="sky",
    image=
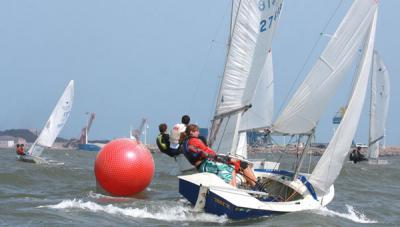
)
(160, 59)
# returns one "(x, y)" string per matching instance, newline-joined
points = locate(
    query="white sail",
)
(235, 8)
(304, 110)
(261, 112)
(55, 123)
(380, 91)
(331, 162)
(250, 42)
(241, 150)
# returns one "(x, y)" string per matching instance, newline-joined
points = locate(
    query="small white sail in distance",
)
(379, 106)
(55, 123)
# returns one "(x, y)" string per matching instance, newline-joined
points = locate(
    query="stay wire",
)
(203, 68)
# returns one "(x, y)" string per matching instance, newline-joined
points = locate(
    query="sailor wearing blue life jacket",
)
(206, 160)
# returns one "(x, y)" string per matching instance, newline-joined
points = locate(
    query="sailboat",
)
(379, 105)
(84, 144)
(136, 133)
(287, 190)
(52, 128)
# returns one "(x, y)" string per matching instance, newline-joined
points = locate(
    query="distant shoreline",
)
(388, 151)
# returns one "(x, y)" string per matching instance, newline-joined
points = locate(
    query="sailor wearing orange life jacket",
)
(206, 160)
(20, 149)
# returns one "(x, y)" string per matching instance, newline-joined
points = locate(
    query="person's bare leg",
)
(233, 180)
(250, 177)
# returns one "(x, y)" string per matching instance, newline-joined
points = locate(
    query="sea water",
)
(63, 192)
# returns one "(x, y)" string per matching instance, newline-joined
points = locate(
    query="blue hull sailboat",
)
(240, 102)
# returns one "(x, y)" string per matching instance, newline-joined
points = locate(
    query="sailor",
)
(20, 149)
(356, 155)
(206, 160)
(163, 141)
(177, 134)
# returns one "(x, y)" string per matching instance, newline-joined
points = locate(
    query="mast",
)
(212, 134)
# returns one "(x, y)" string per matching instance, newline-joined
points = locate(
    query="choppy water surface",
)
(64, 193)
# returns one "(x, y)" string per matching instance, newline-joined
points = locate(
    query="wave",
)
(352, 214)
(165, 213)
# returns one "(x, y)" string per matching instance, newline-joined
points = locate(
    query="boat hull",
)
(217, 205)
(89, 147)
(31, 159)
(208, 192)
(377, 162)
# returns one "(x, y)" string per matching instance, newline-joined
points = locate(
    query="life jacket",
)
(20, 151)
(194, 153)
(160, 144)
(191, 156)
(164, 148)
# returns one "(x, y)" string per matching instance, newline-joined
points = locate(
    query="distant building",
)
(10, 141)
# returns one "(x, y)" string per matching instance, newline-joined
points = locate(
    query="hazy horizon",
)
(158, 60)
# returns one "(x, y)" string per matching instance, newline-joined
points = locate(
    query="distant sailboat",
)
(84, 144)
(136, 133)
(286, 190)
(380, 93)
(53, 126)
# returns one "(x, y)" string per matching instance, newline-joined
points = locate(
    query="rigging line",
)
(310, 155)
(296, 162)
(281, 156)
(309, 55)
(203, 68)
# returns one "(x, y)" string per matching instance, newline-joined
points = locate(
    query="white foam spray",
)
(165, 213)
(352, 214)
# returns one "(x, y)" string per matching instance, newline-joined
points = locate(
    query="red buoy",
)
(124, 167)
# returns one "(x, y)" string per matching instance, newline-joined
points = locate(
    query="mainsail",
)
(380, 90)
(304, 110)
(331, 162)
(55, 123)
(250, 43)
